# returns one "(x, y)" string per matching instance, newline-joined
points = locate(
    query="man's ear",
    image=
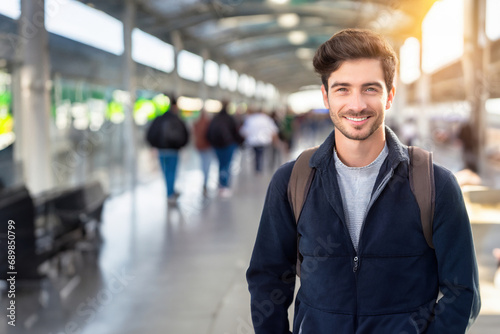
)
(390, 98)
(324, 92)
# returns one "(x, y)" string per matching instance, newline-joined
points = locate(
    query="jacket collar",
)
(397, 151)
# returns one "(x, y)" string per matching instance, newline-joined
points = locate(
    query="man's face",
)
(358, 98)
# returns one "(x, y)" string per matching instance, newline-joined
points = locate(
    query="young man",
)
(366, 266)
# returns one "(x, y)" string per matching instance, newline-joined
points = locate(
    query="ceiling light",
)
(288, 20)
(189, 103)
(297, 37)
(213, 106)
(280, 2)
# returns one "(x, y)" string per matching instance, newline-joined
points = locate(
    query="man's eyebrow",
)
(347, 84)
(344, 84)
(377, 84)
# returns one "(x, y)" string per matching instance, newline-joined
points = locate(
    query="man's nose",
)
(356, 102)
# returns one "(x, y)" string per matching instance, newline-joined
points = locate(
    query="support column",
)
(398, 112)
(16, 113)
(203, 94)
(424, 101)
(476, 81)
(34, 104)
(129, 86)
(178, 46)
(423, 97)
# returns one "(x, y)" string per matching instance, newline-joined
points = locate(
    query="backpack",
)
(167, 131)
(222, 131)
(421, 175)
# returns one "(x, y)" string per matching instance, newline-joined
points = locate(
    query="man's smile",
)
(356, 119)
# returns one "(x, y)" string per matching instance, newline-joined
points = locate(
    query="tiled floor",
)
(178, 270)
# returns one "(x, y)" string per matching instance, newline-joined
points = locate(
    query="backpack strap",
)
(298, 188)
(421, 175)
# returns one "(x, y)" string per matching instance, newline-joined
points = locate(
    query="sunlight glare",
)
(10, 8)
(151, 51)
(81, 23)
(492, 21)
(442, 34)
(410, 60)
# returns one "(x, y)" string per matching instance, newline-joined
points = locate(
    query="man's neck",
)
(359, 153)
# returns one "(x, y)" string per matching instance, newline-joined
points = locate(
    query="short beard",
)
(359, 136)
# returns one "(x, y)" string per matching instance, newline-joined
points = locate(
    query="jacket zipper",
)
(355, 268)
(356, 264)
(356, 259)
(370, 204)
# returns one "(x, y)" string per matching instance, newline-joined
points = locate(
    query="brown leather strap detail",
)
(298, 188)
(300, 181)
(421, 175)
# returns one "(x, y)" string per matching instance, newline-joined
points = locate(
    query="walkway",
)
(179, 269)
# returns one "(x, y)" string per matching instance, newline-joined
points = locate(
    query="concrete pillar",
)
(424, 101)
(423, 98)
(476, 81)
(129, 85)
(203, 94)
(178, 46)
(16, 112)
(397, 112)
(34, 145)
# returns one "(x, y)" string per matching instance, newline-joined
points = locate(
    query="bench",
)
(47, 226)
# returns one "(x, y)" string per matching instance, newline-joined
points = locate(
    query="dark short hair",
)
(349, 44)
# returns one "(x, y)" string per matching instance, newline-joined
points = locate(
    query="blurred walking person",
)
(287, 129)
(259, 131)
(278, 145)
(224, 137)
(469, 147)
(168, 134)
(200, 130)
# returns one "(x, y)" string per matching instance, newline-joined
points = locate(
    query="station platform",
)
(180, 269)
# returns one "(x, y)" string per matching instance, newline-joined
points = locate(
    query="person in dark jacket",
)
(366, 266)
(168, 133)
(469, 146)
(224, 137)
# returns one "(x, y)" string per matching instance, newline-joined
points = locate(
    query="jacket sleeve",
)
(271, 275)
(459, 306)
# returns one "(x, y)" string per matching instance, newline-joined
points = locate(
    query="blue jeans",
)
(206, 158)
(259, 158)
(168, 162)
(225, 155)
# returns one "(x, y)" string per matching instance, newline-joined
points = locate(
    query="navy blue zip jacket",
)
(390, 286)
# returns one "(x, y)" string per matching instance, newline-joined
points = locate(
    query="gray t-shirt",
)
(356, 185)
